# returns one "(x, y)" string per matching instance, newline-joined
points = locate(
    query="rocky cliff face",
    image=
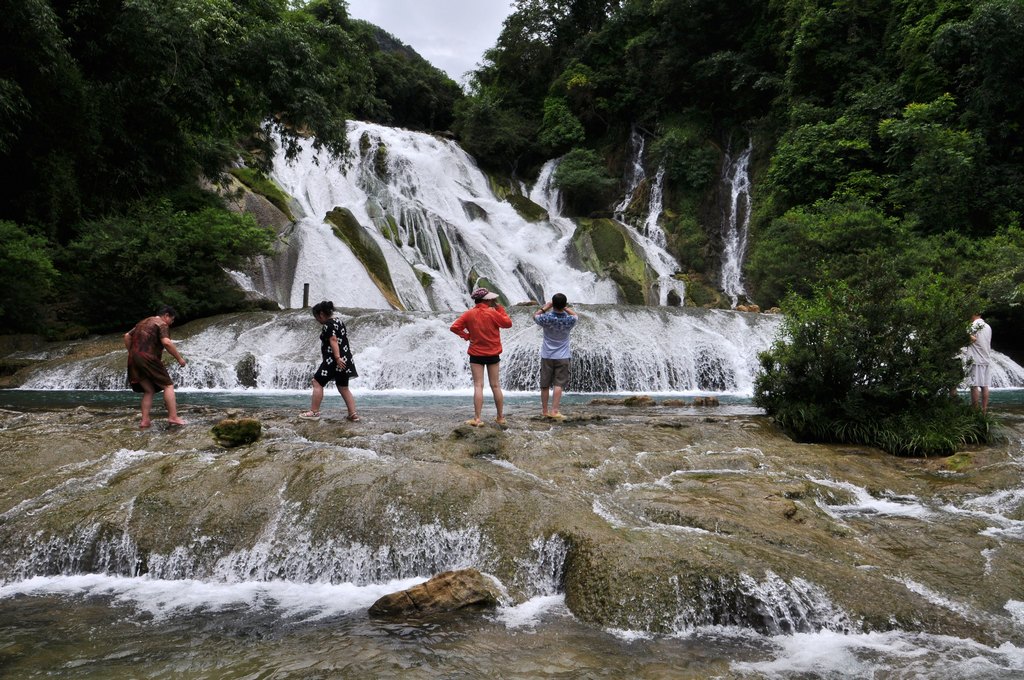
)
(655, 518)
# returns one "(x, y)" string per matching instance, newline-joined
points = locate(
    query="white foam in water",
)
(1016, 609)
(866, 504)
(937, 599)
(532, 612)
(163, 599)
(827, 654)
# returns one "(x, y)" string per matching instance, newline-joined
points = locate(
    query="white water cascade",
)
(648, 234)
(432, 214)
(735, 222)
(615, 349)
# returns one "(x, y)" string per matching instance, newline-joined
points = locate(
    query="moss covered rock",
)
(232, 432)
(604, 248)
(347, 228)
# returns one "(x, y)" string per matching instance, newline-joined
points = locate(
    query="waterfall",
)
(647, 234)
(615, 349)
(430, 213)
(735, 222)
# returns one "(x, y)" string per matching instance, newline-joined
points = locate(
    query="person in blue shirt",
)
(557, 320)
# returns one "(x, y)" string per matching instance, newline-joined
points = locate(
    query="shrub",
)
(583, 180)
(873, 364)
(27, 276)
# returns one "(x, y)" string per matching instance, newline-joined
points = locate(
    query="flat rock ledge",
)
(448, 591)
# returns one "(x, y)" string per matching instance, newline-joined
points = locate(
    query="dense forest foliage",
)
(111, 110)
(888, 192)
(884, 127)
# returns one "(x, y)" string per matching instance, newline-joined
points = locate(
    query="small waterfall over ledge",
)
(616, 348)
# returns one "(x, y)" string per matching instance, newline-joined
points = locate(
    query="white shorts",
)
(978, 376)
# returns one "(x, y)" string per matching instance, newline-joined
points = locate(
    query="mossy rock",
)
(701, 294)
(527, 209)
(604, 248)
(638, 400)
(473, 211)
(348, 229)
(958, 462)
(502, 187)
(260, 184)
(232, 432)
(247, 371)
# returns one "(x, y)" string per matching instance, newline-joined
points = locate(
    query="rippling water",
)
(104, 627)
(100, 626)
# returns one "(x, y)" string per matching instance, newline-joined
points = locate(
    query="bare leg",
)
(974, 396)
(544, 401)
(494, 380)
(478, 390)
(171, 402)
(350, 401)
(556, 400)
(984, 399)
(147, 402)
(318, 397)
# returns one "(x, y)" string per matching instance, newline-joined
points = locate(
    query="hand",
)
(181, 362)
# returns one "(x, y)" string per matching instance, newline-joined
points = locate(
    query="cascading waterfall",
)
(422, 202)
(615, 349)
(735, 222)
(648, 234)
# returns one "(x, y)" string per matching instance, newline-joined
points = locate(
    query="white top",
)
(981, 344)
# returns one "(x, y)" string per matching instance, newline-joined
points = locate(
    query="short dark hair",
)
(168, 310)
(323, 307)
(558, 301)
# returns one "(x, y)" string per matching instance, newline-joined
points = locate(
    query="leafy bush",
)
(26, 277)
(560, 129)
(125, 267)
(583, 180)
(874, 364)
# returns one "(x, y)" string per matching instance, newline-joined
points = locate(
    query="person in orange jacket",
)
(481, 326)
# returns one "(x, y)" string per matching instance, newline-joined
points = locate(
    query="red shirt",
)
(481, 326)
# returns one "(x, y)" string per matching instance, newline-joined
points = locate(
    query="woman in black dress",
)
(337, 364)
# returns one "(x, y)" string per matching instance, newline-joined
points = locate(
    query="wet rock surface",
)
(447, 592)
(652, 519)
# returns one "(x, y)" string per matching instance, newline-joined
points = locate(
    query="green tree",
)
(560, 129)
(155, 255)
(27, 276)
(583, 181)
(936, 163)
(873, 364)
(830, 240)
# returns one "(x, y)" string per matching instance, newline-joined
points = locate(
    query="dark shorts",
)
(328, 372)
(486, 361)
(554, 372)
